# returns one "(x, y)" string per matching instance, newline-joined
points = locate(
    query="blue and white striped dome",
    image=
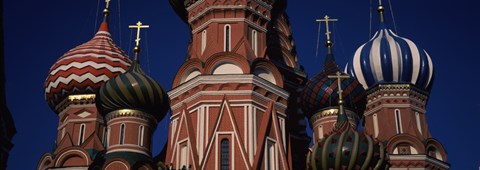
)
(389, 58)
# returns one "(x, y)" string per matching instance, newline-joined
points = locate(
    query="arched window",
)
(204, 40)
(227, 37)
(82, 134)
(122, 134)
(225, 155)
(141, 131)
(255, 42)
(398, 121)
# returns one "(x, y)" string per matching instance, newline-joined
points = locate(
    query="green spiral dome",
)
(133, 90)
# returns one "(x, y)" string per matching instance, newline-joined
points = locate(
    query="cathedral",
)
(241, 98)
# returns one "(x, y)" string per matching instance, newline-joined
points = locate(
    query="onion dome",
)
(133, 90)
(85, 68)
(389, 58)
(346, 148)
(320, 92)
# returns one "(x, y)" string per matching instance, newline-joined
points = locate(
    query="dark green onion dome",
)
(133, 90)
(346, 148)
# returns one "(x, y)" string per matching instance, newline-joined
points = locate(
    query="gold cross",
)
(138, 27)
(108, 3)
(339, 77)
(326, 20)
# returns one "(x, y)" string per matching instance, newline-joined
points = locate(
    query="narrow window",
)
(419, 125)
(141, 130)
(255, 42)
(104, 138)
(320, 132)
(108, 137)
(227, 37)
(183, 156)
(225, 155)
(82, 134)
(270, 156)
(398, 121)
(375, 124)
(63, 132)
(122, 134)
(204, 40)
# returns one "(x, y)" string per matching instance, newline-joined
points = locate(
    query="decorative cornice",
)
(227, 7)
(81, 99)
(398, 87)
(228, 20)
(222, 79)
(331, 111)
(419, 158)
(129, 113)
(376, 109)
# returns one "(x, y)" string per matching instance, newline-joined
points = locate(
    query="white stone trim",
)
(419, 158)
(228, 20)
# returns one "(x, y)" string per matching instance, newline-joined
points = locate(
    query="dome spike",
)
(106, 11)
(380, 10)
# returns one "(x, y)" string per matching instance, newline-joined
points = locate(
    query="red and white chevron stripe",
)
(85, 68)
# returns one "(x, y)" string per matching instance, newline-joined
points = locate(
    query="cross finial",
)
(339, 78)
(108, 3)
(326, 20)
(329, 43)
(342, 120)
(138, 26)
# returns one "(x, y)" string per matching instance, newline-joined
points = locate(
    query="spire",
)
(329, 43)
(342, 123)
(136, 49)
(380, 11)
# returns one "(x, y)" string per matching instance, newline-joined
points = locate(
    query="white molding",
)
(74, 150)
(112, 150)
(419, 158)
(222, 79)
(224, 7)
(228, 20)
(378, 108)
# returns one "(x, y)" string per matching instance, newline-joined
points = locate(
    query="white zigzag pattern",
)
(96, 56)
(85, 64)
(81, 78)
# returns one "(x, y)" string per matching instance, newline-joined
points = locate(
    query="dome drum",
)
(353, 117)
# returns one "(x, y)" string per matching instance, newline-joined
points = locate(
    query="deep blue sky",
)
(39, 32)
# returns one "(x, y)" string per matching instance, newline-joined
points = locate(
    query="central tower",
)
(234, 100)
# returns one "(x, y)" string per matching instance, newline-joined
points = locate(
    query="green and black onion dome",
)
(133, 90)
(346, 148)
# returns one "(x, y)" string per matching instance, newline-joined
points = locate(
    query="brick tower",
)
(234, 100)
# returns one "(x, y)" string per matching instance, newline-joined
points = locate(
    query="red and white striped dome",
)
(85, 68)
